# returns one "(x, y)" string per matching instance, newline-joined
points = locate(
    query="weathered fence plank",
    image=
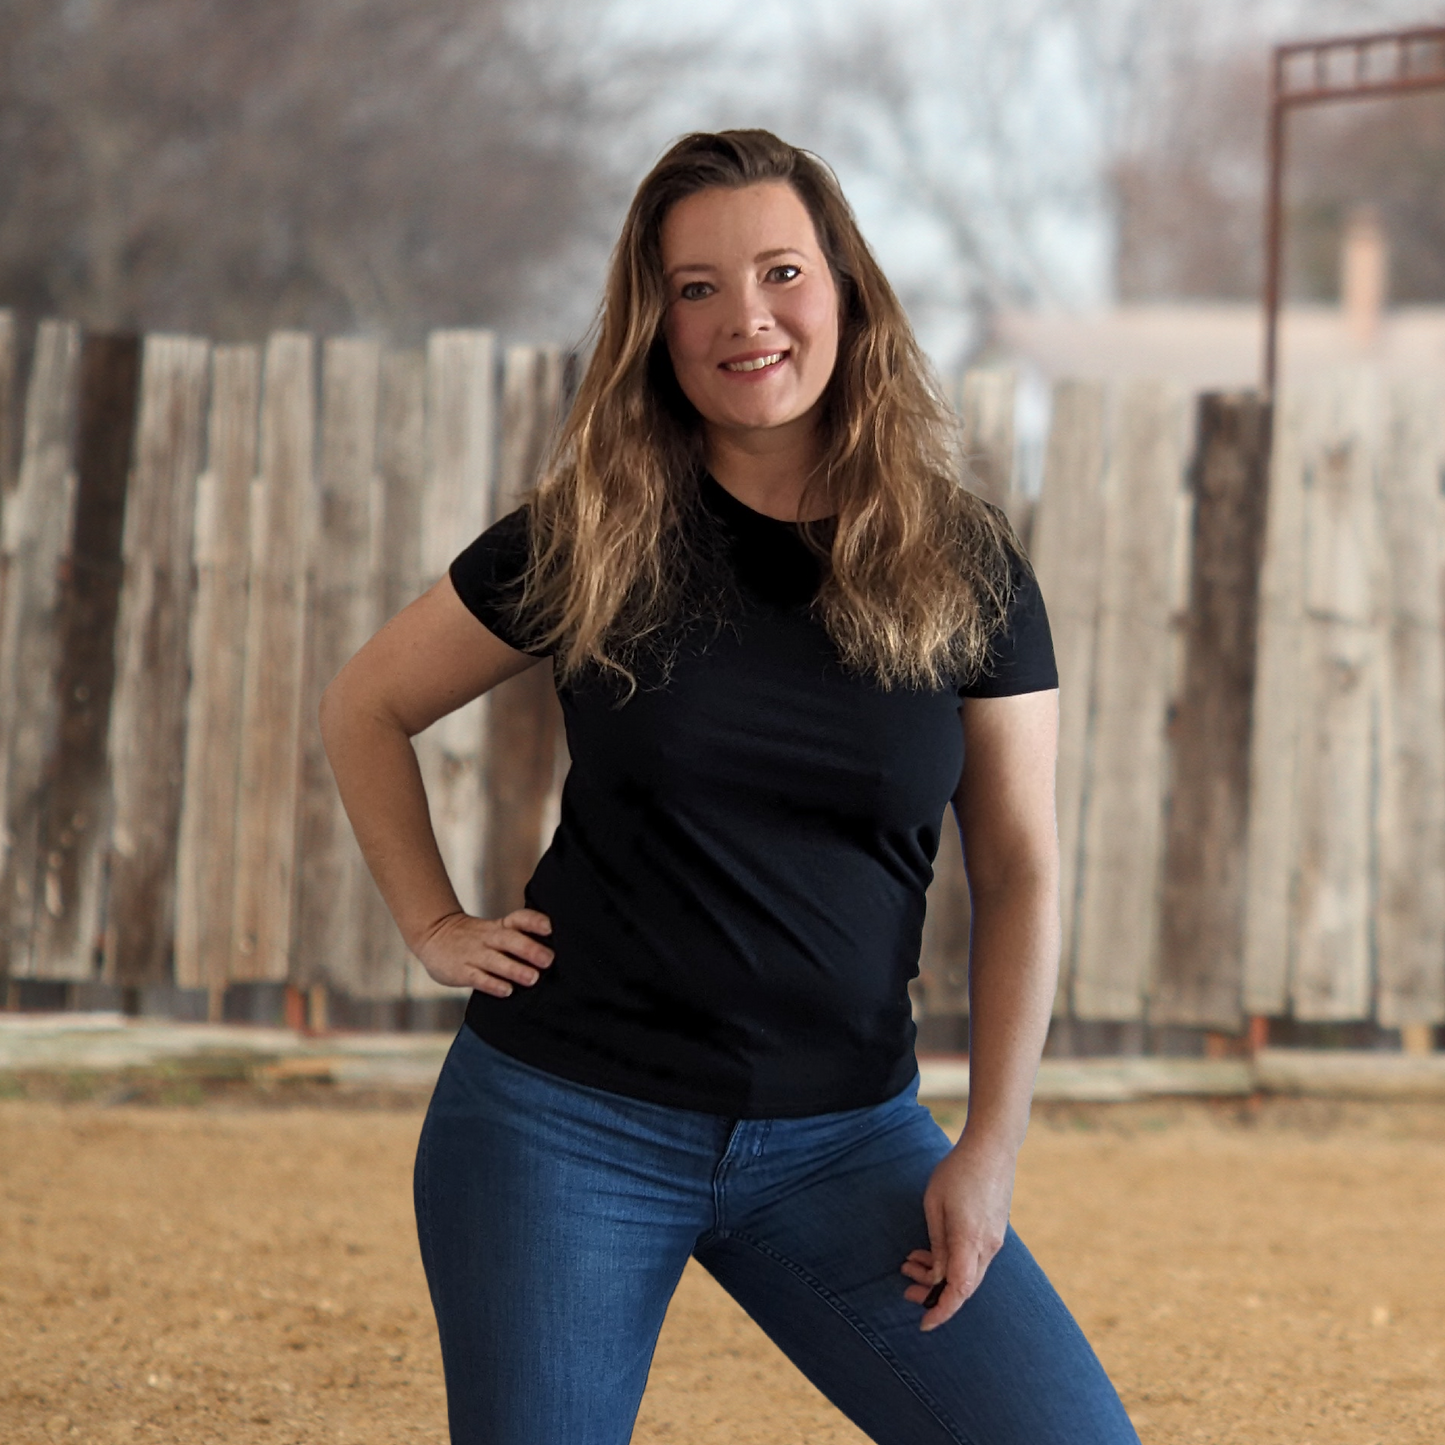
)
(1118, 909)
(456, 506)
(282, 506)
(75, 821)
(381, 971)
(1410, 831)
(986, 414)
(9, 430)
(148, 713)
(1202, 940)
(524, 720)
(342, 612)
(206, 869)
(37, 537)
(984, 400)
(1335, 762)
(1278, 707)
(1067, 554)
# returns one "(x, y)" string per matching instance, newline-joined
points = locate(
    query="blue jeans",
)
(555, 1221)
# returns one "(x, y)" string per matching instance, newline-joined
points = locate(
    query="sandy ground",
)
(247, 1273)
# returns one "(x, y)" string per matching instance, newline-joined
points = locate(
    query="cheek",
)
(818, 321)
(686, 344)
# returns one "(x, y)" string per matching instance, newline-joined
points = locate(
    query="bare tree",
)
(378, 164)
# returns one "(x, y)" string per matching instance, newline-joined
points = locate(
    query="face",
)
(752, 317)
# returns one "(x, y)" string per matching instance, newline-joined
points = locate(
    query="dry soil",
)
(242, 1273)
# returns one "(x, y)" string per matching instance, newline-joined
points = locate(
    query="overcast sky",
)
(1000, 114)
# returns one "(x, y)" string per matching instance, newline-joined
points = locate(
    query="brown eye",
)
(695, 291)
(785, 273)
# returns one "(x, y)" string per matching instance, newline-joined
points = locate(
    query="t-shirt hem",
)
(548, 1058)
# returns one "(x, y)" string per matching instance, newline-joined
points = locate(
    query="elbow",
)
(339, 707)
(1031, 882)
(348, 706)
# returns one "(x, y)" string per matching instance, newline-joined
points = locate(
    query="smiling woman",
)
(785, 639)
(752, 331)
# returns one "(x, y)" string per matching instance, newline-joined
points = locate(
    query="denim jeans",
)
(555, 1221)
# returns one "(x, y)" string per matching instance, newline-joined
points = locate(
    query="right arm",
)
(429, 660)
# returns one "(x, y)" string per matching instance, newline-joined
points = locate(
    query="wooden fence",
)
(195, 537)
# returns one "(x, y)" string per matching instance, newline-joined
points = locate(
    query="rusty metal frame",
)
(1316, 72)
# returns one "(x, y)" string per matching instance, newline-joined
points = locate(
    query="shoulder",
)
(1021, 651)
(488, 577)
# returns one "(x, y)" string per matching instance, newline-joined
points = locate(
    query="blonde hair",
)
(918, 568)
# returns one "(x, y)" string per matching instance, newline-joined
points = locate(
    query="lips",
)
(755, 363)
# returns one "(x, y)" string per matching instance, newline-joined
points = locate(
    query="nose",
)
(751, 313)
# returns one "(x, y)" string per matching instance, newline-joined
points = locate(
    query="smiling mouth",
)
(756, 363)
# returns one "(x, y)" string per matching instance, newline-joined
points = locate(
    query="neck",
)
(769, 471)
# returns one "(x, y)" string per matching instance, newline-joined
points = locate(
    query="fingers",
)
(492, 957)
(950, 1298)
(528, 919)
(510, 943)
(941, 1282)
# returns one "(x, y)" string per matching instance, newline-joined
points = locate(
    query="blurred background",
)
(290, 295)
(354, 166)
(415, 201)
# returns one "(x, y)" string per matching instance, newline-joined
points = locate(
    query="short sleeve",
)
(488, 579)
(1021, 655)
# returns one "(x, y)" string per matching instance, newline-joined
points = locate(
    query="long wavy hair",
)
(917, 569)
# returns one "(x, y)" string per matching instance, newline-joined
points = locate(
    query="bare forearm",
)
(1013, 972)
(381, 788)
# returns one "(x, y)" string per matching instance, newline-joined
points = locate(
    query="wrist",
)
(986, 1137)
(421, 932)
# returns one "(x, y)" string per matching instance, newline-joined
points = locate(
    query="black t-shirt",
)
(736, 884)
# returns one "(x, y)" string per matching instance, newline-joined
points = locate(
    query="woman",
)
(784, 639)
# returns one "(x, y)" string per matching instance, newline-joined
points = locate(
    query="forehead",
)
(721, 224)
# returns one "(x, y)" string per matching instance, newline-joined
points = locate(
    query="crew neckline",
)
(714, 488)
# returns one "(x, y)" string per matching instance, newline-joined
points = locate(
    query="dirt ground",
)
(234, 1271)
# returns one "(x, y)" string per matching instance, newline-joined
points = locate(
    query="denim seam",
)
(840, 1307)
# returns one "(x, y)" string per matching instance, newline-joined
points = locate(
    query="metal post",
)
(1411, 59)
(1273, 231)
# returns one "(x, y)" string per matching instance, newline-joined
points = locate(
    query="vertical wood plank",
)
(984, 400)
(9, 431)
(401, 476)
(1279, 706)
(456, 507)
(343, 610)
(1067, 554)
(282, 507)
(76, 818)
(401, 467)
(9, 428)
(38, 531)
(148, 715)
(1331, 891)
(1118, 912)
(206, 871)
(1410, 829)
(1202, 940)
(986, 415)
(525, 719)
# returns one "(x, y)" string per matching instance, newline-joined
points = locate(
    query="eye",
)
(787, 272)
(695, 290)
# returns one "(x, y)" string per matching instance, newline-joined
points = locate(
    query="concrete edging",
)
(104, 1043)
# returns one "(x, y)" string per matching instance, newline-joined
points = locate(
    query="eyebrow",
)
(761, 256)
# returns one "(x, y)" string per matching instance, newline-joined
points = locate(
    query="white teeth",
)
(757, 364)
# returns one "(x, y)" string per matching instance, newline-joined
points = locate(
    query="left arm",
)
(1005, 807)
